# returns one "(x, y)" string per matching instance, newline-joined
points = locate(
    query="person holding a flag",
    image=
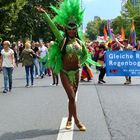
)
(125, 46)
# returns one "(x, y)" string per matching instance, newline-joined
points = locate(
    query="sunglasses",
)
(71, 27)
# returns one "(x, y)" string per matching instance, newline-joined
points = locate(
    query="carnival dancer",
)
(68, 52)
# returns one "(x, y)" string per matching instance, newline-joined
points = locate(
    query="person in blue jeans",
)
(36, 60)
(7, 73)
(27, 58)
(29, 72)
(42, 52)
(7, 64)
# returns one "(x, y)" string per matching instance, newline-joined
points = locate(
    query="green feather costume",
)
(68, 12)
(55, 58)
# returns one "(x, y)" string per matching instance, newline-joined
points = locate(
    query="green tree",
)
(120, 21)
(9, 10)
(117, 24)
(20, 19)
(129, 13)
(101, 27)
(94, 28)
(33, 26)
(137, 26)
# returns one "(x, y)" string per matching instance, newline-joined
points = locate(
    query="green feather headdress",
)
(68, 12)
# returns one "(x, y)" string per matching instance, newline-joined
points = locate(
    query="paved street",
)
(110, 111)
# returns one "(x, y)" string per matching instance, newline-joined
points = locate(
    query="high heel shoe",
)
(68, 125)
(81, 127)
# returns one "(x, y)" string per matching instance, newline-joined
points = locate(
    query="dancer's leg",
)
(70, 90)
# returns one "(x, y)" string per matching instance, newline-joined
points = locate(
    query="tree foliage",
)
(9, 10)
(21, 20)
(94, 28)
(33, 26)
(128, 13)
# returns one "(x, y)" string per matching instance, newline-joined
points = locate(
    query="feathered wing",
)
(55, 58)
(85, 57)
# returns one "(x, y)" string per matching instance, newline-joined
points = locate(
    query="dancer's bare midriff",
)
(70, 62)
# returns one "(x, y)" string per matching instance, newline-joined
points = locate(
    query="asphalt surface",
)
(109, 111)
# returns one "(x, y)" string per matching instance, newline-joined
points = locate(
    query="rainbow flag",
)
(109, 32)
(133, 35)
(105, 33)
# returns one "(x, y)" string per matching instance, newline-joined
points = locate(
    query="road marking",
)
(63, 133)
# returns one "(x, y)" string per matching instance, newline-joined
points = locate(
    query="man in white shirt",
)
(42, 51)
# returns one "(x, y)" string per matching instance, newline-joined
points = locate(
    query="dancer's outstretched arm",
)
(53, 27)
